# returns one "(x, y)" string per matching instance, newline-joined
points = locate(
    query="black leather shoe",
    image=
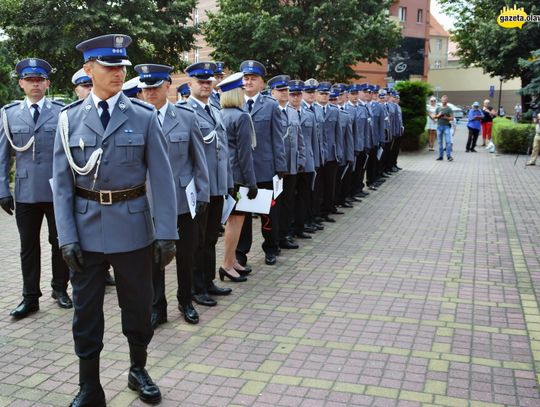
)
(158, 318)
(287, 244)
(347, 205)
(318, 219)
(213, 289)
(355, 199)
(91, 393)
(372, 188)
(270, 259)
(25, 308)
(383, 175)
(62, 298)
(318, 226)
(140, 381)
(310, 228)
(302, 235)
(190, 313)
(394, 170)
(204, 299)
(223, 273)
(336, 212)
(109, 279)
(398, 168)
(328, 219)
(243, 272)
(362, 194)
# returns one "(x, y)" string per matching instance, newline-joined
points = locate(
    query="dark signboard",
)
(407, 59)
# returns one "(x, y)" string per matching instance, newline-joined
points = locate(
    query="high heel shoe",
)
(223, 273)
(244, 272)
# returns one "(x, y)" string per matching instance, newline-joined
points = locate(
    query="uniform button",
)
(105, 162)
(105, 143)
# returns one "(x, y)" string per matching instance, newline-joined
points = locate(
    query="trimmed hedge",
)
(510, 137)
(413, 96)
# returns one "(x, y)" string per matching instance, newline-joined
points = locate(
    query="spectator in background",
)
(536, 142)
(444, 116)
(501, 111)
(518, 111)
(431, 123)
(487, 121)
(475, 116)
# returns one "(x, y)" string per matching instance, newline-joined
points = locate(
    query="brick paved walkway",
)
(423, 294)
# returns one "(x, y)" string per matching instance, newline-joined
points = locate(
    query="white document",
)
(228, 206)
(261, 204)
(379, 153)
(278, 186)
(191, 195)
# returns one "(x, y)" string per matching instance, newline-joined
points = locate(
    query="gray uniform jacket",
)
(295, 150)
(214, 100)
(399, 121)
(357, 132)
(33, 166)
(333, 134)
(319, 119)
(311, 140)
(133, 149)
(269, 153)
(216, 149)
(377, 112)
(348, 129)
(240, 134)
(388, 122)
(363, 128)
(186, 154)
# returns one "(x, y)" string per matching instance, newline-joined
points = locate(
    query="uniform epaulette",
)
(142, 103)
(183, 105)
(58, 103)
(9, 105)
(76, 103)
(270, 97)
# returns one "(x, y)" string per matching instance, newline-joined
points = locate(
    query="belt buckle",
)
(105, 197)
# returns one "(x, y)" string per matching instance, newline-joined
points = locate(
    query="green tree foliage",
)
(413, 96)
(8, 87)
(50, 30)
(532, 64)
(302, 38)
(483, 43)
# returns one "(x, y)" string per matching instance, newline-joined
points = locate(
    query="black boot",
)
(139, 379)
(91, 393)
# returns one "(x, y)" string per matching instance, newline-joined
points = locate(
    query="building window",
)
(439, 44)
(437, 65)
(196, 16)
(420, 16)
(402, 14)
(197, 56)
(185, 56)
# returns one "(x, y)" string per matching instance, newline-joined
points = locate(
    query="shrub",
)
(510, 137)
(413, 96)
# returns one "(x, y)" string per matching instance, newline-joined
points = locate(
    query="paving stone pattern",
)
(424, 294)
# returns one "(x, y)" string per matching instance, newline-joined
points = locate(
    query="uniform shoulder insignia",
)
(58, 103)
(271, 98)
(181, 102)
(184, 105)
(76, 103)
(142, 103)
(10, 105)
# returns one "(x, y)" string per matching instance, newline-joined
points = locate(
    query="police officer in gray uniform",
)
(28, 129)
(221, 182)
(188, 162)
(348, 127)
(294, 154)
(218, 77)
(398, 131)
(303, 214)
(362, 142)
(106, 148)
(333, 148)
(268, 158)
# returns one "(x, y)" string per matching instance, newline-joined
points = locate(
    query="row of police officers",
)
(131, 184)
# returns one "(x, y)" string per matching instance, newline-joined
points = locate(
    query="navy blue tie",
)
(35, 116)
(105, 115)
(250, 105)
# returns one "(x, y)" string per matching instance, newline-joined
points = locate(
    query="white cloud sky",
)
(445, 21)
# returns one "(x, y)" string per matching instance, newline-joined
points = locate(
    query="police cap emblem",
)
(119, 41)
(32, 62)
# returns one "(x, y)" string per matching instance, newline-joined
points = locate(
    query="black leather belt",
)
(110, 197)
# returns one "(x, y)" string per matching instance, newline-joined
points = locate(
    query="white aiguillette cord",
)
(8, 136)
(95, 157)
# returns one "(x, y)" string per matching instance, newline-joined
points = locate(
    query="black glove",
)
(300, 168)
(252, 193)
(73, 257)
(164, 251)
(200, 207)
(7, 204)
(281, 174)
(231, 192)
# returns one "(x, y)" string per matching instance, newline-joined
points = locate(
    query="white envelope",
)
(278, 186)
(228, 206)
(191, 195)
(261, 204)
